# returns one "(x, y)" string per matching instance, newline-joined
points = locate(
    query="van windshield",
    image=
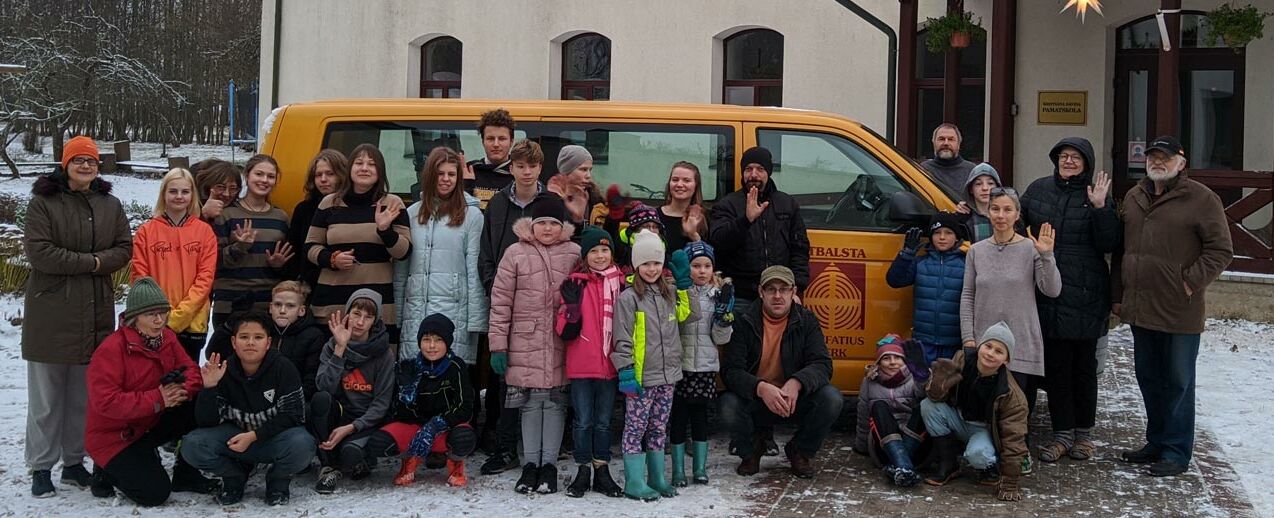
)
(955, 197)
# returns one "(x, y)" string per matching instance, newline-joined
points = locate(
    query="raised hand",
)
(573, 194)
(243, 233)
(213, 371)
(692, 222)
(1099, 189)
(280, 256)
(468, 168)
(213, 208)
(1044, 243)
(754, 209)
(338, 324)
(385, 215)
(911, 243)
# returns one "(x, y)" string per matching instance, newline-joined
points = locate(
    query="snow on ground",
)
(141, 151)
(129, 189)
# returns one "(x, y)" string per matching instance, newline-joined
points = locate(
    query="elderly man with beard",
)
(1176, 242)
(947, 165)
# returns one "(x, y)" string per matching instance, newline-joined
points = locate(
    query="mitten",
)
(614, 203)
(499, 362)
(945, 376)
(1008, 489)
(679, 264)
(628, 382)
(914, 352)
(572, 293)
(911, 243)
(723, 310)
(423, 441)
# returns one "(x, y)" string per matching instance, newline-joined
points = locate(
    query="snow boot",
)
(603, 483)
(407, 473)
(679, 465)
(700, 466)
(580, 485)
(635, 478)
(455, 473)
(948, 447)
(529, 480)
(655, 474)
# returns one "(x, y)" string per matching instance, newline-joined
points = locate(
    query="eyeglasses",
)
(1068, 157)
(156, 315)
(1003, 191)
(221, 189)
(777, 290)
(1159, 157)
(80, 160)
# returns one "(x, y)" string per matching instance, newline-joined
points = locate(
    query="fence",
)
(1244, 194)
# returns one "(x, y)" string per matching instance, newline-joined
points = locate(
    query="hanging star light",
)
(1081, 8)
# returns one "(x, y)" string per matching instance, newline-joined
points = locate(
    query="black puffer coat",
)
(1084, 235)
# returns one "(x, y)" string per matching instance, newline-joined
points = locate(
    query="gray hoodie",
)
(979, 224)
(361, 379)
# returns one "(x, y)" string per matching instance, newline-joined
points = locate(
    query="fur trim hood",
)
(522, 227)
(57, 181)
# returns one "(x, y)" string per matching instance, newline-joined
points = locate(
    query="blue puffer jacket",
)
(939, 278)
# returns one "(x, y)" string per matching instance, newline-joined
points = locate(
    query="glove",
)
(614, 202)
(723, 310)
(679, 263)
(911, 243)
(423, 441)
(175, 376)
(917, 363)
(572, 293)
(628, 382)
(1008, 490)
(500, 362)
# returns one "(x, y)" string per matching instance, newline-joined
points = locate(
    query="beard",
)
(946, 154)
(1157, 176)
(749, 184)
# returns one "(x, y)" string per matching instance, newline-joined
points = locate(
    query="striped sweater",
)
(242, 272)
(349, 223)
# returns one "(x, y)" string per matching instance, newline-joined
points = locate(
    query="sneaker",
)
(499, 463)
(277, 491)
(1028, 466)
(1167, 468)
(187, 479)
(231, 491)
(42, 484)
(101, 486)
(547, 479)
(76, 476)
(327, 479)
(360, 471)
(529, 480)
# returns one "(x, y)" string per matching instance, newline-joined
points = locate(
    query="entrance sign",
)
(1063, 107)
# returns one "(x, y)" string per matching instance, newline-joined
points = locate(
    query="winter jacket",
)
(648, 335)
(701, 337)
(361, 380)
(1084, 236)
(502, 212)
(746, 248)
(524, 302)
(802, 352)
(938, 278)
(302, 344)
(488, 180)
(951, 172)
(588, 355)
(1181, 236)
(242, 270)
(979, 224)
(182, 258)
(449, 395)
(1008, 409)
(124, 401)
(267, 402)
(903, 400)
(69, 309)
(440, 275)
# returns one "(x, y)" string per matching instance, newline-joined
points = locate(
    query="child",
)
(355, 388)
(977, 191)
(648, 357)
(697, 389)
(433, 407)
(640, 217)
(584, 323)
(251, 411)
(890, 428)
(524, 348)
(974, 399)
(294, 332)
(939, 278)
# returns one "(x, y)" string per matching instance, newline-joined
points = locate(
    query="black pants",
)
(137, 471)
(1070, 370)
(748, 419)
(192, 343)
(692, 413)
(508, 426)
(326, 414)
(1030, 383)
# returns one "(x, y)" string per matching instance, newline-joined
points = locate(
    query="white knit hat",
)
(647, 247)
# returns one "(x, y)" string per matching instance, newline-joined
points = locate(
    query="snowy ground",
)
(128, 188)
(141, 151)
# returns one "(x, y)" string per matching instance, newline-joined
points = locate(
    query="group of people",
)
(360, 328)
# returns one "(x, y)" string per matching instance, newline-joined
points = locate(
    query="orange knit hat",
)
(79, 146)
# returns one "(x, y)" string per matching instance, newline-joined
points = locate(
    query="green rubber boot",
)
(635, 478)
(679, 465)
(655, 474)
(700, 472)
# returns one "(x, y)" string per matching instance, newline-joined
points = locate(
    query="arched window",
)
(440, 68)
(753, 69)
(586, 67)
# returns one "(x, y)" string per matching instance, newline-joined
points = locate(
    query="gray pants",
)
(57, 403)
(543, 420)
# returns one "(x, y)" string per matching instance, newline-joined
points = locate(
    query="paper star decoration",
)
(1081, 8)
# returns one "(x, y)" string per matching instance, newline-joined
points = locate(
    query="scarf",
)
(612, 281)
(894, 381)
(407, 392)
(151, 343)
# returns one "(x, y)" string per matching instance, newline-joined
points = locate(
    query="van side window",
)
(839, 184)
(406, 144)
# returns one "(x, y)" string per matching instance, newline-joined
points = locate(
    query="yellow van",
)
(847, 179)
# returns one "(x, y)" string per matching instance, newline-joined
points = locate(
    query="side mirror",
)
(906, 207)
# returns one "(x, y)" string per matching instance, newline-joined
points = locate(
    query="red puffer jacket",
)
(124, 401)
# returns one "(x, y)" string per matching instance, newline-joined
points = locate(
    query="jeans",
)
(593, 401)
(287, 453)
(943, 419)
(749, 418)
(1165, 364)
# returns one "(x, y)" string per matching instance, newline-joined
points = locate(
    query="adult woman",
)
(440, 275)
(179, 251)
(218, 184)
(327, 174)
(1082, 210)
(76, 236)
(682, 213)
(1001, 274)
(355, 235)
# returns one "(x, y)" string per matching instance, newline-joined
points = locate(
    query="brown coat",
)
(1008, 409)
(69, 309)
(1182, 236)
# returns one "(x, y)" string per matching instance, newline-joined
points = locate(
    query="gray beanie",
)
(365, 293)
(999, 332)
(571, 157)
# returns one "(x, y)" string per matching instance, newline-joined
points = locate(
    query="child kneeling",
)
(890, 428)
(250, 412)
(974, 399)
(432, 409)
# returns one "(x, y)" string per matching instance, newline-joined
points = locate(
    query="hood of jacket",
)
(1085, 148)
(234, 368)
(295, 328)
(511, 190)
(57, 181)
(976, 172)
(522, 227)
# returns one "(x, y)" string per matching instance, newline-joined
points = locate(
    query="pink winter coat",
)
(588, 356)
(524, 302)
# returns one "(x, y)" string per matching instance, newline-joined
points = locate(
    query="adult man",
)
(776, 367)
(1176, 242)
(486, 176)
(758, 227)
(947, 166)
